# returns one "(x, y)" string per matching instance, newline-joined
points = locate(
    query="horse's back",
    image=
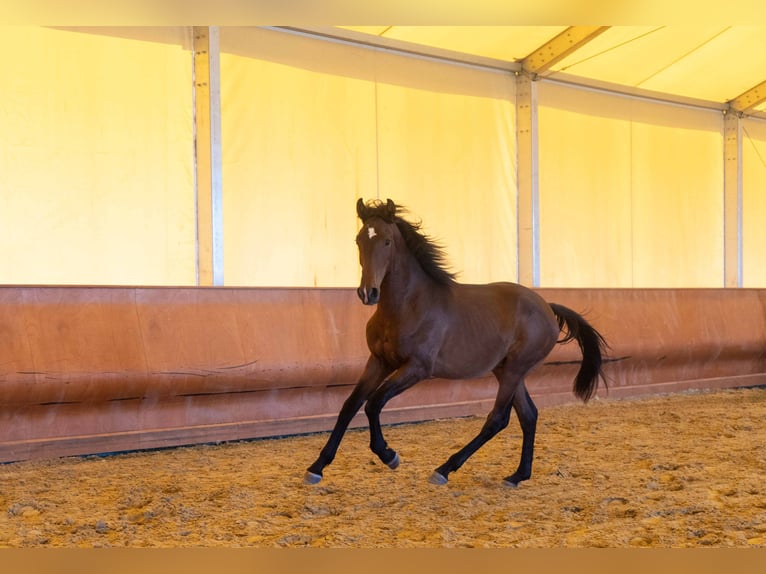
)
(506, 298)
(491, 321)
(514, 306)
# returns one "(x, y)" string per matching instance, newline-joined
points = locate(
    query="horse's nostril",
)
(373, 295)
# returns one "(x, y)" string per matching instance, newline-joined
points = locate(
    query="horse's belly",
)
(457, 363)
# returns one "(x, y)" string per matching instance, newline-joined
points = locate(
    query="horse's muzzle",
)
(370, 297)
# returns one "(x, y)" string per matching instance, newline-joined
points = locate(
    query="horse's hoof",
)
(311, 478)
(394, 463)
(438, 479)
(510, 484)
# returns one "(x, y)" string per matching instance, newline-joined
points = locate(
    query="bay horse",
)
(428, 325)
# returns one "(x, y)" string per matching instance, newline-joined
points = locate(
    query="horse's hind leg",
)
(496, 421)
(527, 413)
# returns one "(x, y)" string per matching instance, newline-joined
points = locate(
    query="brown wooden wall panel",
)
(94, 344)
(92, 369)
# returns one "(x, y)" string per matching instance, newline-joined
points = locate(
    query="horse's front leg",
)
(373, 374)
(402, 379)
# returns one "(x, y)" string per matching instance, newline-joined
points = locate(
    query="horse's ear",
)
(391, 208)
(360, 208)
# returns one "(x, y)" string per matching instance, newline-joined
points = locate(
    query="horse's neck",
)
(405, 285)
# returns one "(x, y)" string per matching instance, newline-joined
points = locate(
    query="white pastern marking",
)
(371, 232)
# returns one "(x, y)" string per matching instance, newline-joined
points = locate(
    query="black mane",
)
(429, 254)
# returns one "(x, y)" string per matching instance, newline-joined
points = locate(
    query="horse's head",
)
(376, 242)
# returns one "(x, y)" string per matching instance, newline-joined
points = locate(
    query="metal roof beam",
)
(401, 47)
(732, 201)
(749, 99)
(528, 212)
(207, 139)
(560, 47)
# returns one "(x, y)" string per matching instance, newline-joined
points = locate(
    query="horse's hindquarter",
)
(489, 322)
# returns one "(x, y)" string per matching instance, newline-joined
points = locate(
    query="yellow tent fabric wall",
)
(96, 160)
(753, 203)
(97, 167)
(308, 126)
(631, 191)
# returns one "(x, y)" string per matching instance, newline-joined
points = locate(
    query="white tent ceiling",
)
(714, 65)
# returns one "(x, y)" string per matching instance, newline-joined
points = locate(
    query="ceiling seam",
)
(625, 43)
(706, 42)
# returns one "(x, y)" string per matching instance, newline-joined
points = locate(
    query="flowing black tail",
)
(592, 345)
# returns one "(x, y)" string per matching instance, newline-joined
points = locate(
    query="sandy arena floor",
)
(671, 471)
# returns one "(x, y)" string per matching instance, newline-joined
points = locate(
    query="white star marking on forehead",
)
(371, 232)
